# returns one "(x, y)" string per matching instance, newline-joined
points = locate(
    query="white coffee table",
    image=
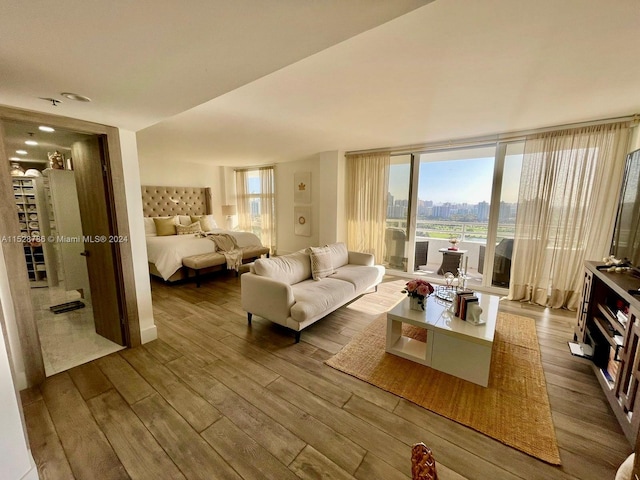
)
(453, 345)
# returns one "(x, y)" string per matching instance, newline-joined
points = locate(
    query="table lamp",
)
(229, 211)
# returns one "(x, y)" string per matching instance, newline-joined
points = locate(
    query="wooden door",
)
(66, 212)
(100, 248)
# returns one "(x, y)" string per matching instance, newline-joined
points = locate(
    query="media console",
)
(609, 323)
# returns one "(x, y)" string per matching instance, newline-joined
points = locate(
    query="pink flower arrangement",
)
(418, 288)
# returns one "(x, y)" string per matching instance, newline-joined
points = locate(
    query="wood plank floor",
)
(215, 399)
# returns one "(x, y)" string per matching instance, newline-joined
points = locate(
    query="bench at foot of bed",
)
(208, 260)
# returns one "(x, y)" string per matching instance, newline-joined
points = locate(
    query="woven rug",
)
(514, 409)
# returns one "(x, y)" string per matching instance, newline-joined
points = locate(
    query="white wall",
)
(16, 461)
(332, 218)
(328, 222)
(129, 152)
(287, 240)
(181, 173)
(12, 328)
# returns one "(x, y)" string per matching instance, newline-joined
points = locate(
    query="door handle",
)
(85, 253)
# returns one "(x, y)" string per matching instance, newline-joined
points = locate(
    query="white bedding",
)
(168, 251)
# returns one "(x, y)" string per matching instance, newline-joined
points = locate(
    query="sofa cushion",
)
(319, 298)
(291, 269)
(339, 254)
(359, 276)
(321, 265)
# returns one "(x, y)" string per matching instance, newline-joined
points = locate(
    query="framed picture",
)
(302, 187)
(302, 221)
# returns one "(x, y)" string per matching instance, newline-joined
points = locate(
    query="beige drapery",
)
(266, 230)
(569, 190)
(243, 201)
(367, 177)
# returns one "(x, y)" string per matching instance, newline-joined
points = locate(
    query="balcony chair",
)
(501, 262)
(394, 240)
(422, 250)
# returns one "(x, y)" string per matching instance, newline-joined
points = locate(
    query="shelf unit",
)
(609, 321)
(32, 217)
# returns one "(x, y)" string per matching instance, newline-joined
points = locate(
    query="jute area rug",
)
(514, 409)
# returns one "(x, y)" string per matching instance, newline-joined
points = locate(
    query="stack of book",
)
(462, 302)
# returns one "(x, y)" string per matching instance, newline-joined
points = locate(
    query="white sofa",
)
(282, 290)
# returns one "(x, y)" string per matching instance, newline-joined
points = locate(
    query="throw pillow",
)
(187, 229)
(321, 265)
(165, 226)
(207, 222)
(339, 254)
(184, 220)
(149, 226)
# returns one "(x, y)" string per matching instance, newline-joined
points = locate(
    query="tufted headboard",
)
(167, 201)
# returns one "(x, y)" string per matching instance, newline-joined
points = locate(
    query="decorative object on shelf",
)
(462, 280)
(32, 172)
(56, 160)
(454, 243)
(302, 187)
(448, 279)
(473, 313)
(16, 170)
(418, 291)
(446, 293)
(614, 265)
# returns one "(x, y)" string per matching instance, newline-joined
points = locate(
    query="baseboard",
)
(149, 334)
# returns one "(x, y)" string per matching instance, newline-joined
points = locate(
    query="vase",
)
(414, 303)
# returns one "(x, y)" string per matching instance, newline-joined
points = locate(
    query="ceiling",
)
(238, 83)
(16, 133)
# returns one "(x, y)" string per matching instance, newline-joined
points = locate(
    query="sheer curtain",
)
(367, 178)
(569, 190)
(267, 207)
(243, 201)
(262, 199)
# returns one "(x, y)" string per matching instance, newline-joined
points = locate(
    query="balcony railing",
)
(445, 229)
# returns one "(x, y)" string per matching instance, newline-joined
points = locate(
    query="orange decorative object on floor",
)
(423, 465)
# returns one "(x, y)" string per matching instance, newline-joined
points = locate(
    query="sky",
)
(457, 181)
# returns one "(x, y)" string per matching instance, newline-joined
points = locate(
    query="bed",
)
(166, 252)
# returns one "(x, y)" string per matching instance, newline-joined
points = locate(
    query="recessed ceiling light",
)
(31, 142)
(15, 159)
(45, 128)
(21, 152)
(75, 96)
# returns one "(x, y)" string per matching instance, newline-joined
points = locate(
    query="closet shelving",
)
(32, 215)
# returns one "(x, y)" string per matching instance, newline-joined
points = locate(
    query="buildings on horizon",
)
(460, 212)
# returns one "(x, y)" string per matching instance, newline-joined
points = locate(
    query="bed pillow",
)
(184, 220)
(165, 225)
(149, 226)
(188, 229)
(321, 264)
(207, 222)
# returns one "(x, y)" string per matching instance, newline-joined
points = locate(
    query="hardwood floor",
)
(215, 399)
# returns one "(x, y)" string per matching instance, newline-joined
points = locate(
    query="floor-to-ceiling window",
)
(255, 196)
(454, 208)
(398, 199)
